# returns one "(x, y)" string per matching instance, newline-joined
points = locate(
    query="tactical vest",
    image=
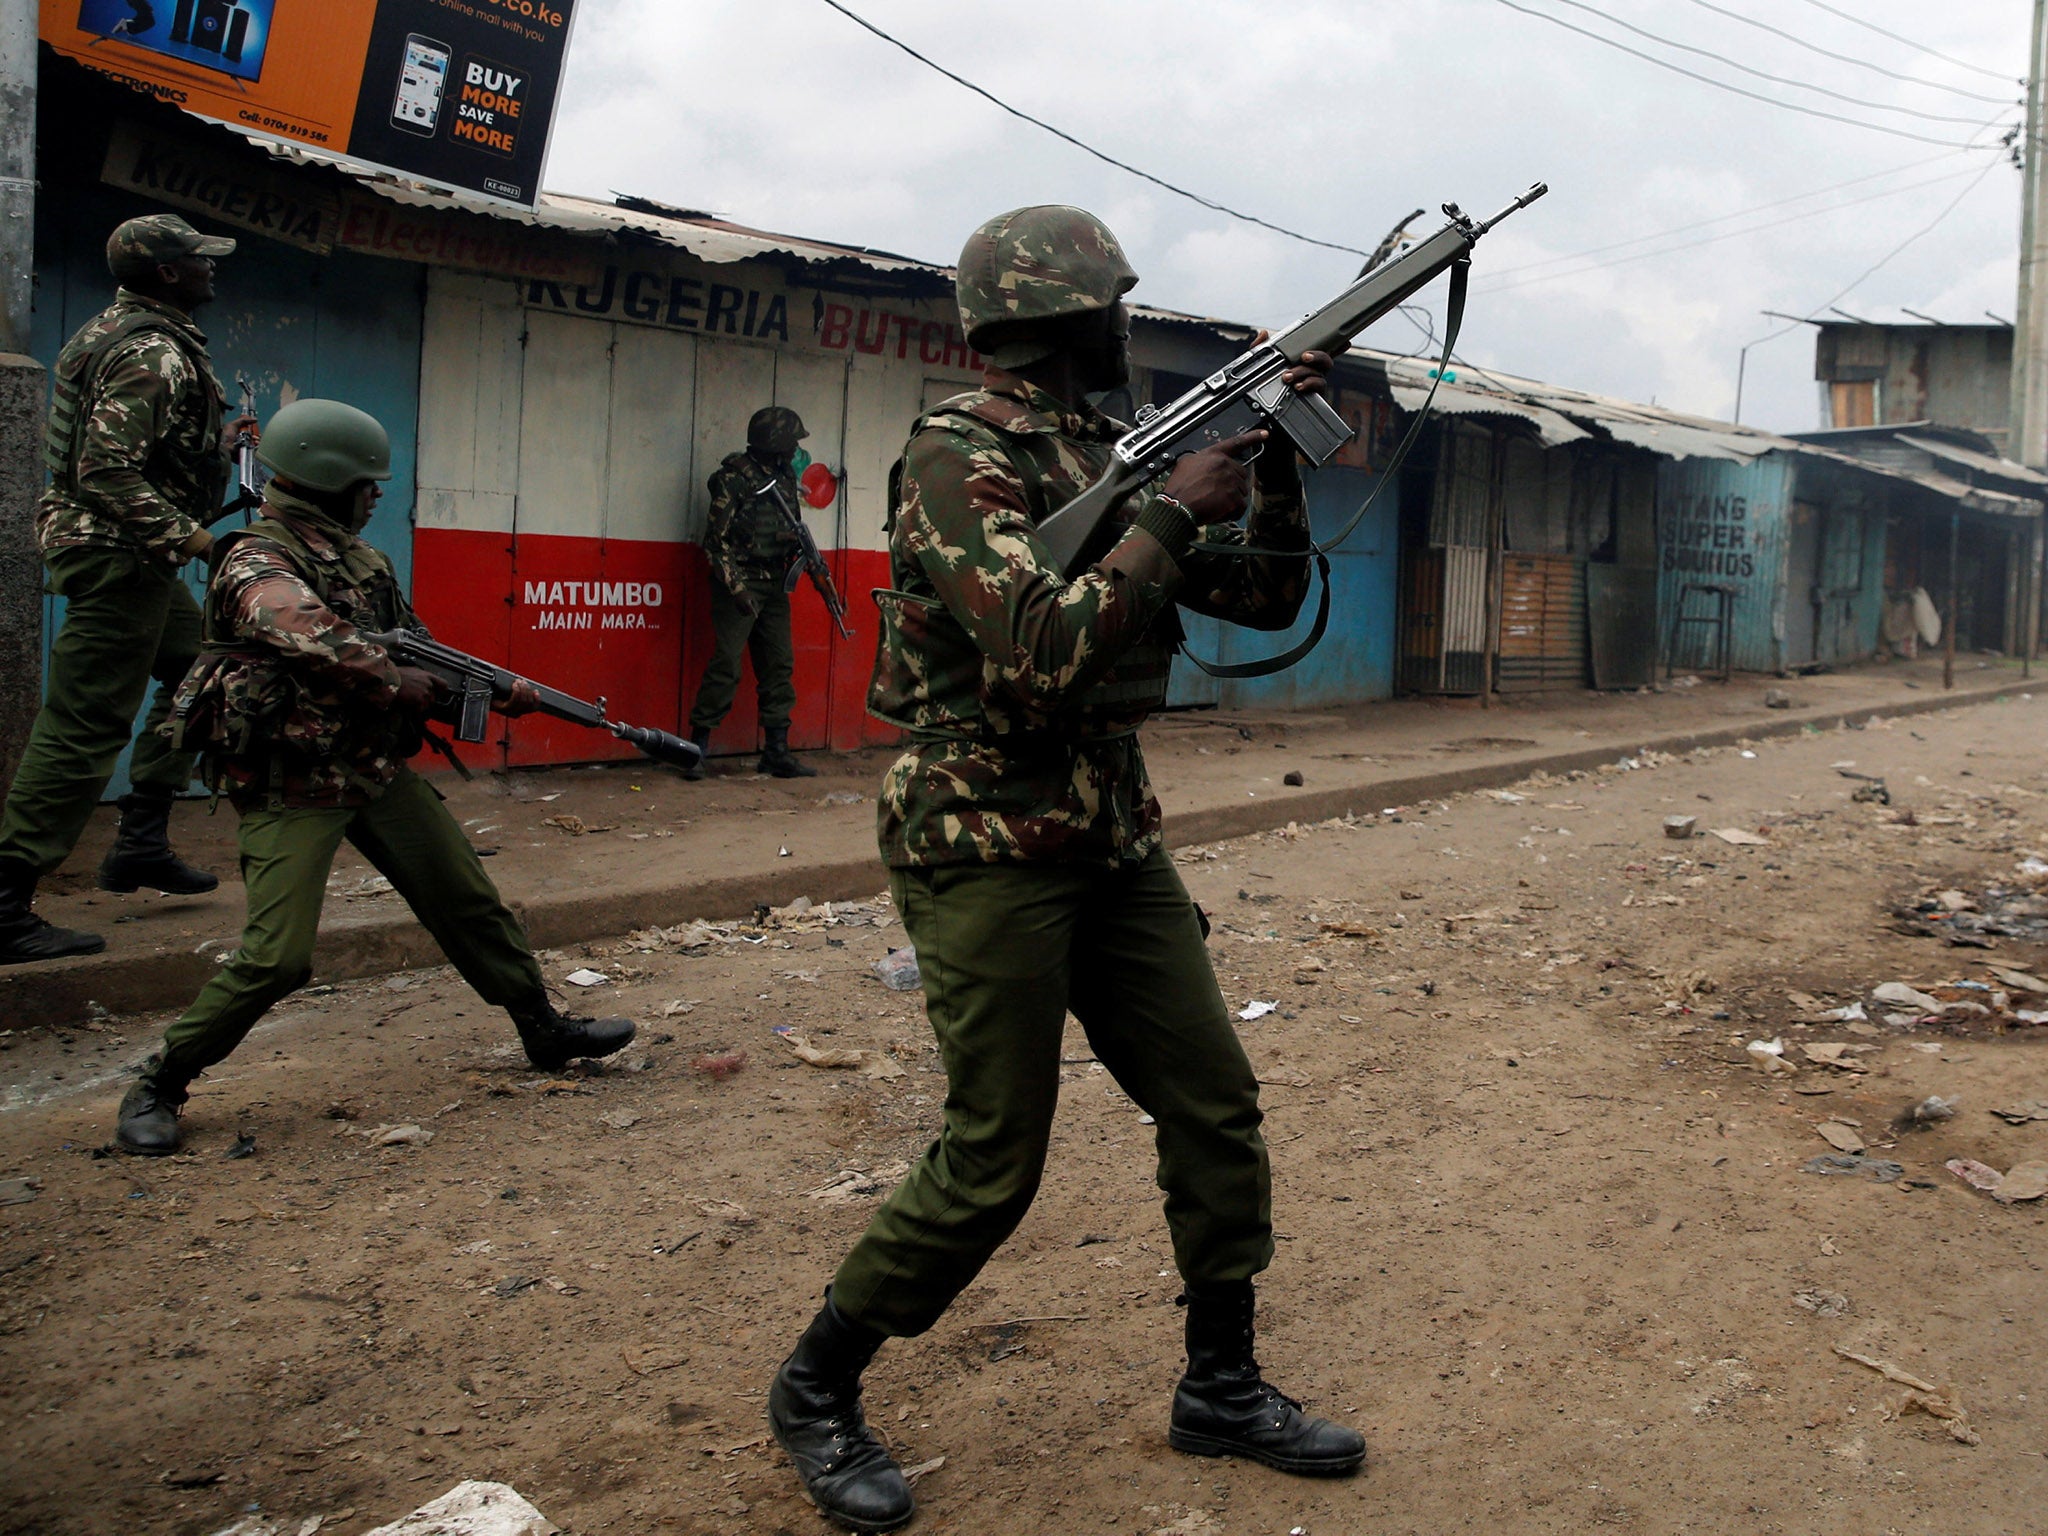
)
(767, 546)
(1136, 685)
(76, 379)
(245, 701)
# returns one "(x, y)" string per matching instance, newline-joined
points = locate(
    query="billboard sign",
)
(454, 93)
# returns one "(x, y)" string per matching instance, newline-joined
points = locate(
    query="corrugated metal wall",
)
(1355, 661)
(1724, 523)
(342, 326)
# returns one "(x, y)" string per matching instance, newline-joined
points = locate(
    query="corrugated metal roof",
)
(1560, 415)
(1983, 464)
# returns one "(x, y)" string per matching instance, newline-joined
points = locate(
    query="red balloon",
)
(820, 486)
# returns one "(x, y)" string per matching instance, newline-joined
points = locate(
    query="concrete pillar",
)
(17, 169)
(21, 390)
(21, 566)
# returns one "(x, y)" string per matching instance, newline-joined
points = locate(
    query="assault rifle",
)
(1249, 391)
(474, 683)
(248, 473)
(810, 562)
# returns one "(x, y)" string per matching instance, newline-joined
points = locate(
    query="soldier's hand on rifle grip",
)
(1215, 484)
(521, 701)
(242, 432)
(417, 689)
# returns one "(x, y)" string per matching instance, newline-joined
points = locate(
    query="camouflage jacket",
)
(1022, 692)
(134, 441)
(745, 537)
(287, 705)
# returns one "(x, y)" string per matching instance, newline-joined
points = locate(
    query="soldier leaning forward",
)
(1025, 856)
(138, 464)
(306, 728)
(752, 550)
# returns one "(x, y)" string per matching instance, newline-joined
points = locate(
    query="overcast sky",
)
(1336, 117)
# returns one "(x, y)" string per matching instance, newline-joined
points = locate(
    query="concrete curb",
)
(66, 990)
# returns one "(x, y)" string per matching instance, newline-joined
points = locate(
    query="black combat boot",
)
(149, 1113)
(24, 936)
(553, 1039)
(779, 761)
(142, 855)
(814, 1413)
(701, 735)
(1223, 1407)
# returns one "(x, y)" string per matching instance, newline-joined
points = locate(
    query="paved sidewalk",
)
(585, 853)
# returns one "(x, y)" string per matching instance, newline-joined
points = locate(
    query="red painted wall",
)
(629, 620)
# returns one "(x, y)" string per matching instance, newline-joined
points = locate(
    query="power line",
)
(1733, 234)
(1722, 58)
(1679, 69)
(1812, 47)
(1936, 53)
(1089, 149)
(1872, 270)
(1680, 229)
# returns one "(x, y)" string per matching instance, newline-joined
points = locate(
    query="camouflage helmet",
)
(775, 429)
(323, 445)
(1034, 264)
(137, 247)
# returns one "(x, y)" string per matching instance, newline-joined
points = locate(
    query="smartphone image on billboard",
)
(228, 36)
(422, 81)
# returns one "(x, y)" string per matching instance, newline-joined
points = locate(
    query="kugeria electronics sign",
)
(459, 93)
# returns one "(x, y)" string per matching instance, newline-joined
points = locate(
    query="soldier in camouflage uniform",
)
(752, 552)
(305, 726)
(138, 464)
(1024, 850)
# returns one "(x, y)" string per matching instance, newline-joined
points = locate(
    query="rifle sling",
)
(1454, 316)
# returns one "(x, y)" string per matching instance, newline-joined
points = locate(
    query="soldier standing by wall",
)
(752, 552)
(306, 727)
(138, 465)
(1025, 854)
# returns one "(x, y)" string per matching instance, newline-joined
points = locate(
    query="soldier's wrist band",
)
(1170, 523)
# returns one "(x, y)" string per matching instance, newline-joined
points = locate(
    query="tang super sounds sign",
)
(459, 93)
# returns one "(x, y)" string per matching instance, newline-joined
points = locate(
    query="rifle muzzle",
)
(660, 745)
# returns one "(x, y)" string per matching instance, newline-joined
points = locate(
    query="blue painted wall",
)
(342, 326)
(1728, 524)
(1355, 661)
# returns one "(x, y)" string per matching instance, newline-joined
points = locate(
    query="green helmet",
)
(1033, 264)
(324, 445)
(775, 429)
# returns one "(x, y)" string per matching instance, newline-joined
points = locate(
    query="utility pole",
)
(2027, 439)
(21, 389)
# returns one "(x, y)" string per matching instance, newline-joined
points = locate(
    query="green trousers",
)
(764, 634)
(127, 620)
(414, 843)
(1005, 951)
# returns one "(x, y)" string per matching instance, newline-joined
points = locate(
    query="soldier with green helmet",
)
(306, 727)
(753, 550)
(1025, 856)
(138, 463)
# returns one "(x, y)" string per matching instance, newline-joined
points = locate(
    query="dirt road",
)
(1545, 1233)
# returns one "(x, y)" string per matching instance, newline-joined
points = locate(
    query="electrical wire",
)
(1829, 53)
(1680, 229)
(1876, 266)
(1936, 53)
(1733, 234)
(1089, 149)
(1722, 58)
(1679, 69)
